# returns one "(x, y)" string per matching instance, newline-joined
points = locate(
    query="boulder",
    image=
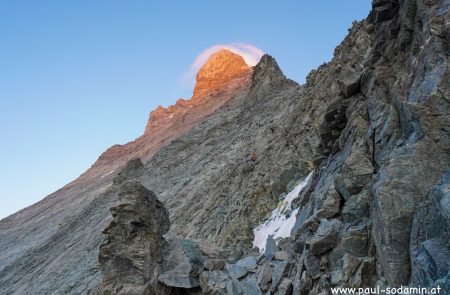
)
(325, 237)
(350, 84)
(249, 263)
(264, 276)
(130, 255)
(279, 271)
(357, 207)
(250, 286)
(312, 265)
(234, 287)
(182, 264)
(236, 271)
(355, 240)
(270, 249)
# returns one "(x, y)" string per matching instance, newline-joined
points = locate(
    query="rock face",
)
(373, 127)
(130, 256)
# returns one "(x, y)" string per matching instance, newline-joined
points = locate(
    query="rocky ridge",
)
(372, 125)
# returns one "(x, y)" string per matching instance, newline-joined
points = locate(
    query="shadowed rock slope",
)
(372, 125)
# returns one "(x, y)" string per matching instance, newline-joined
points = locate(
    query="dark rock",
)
(282, 255)
(355, 240)
(365, 275)
(285, 288)
(312, 265)
(214, 264)
(250, 287)
(304, 285)
(430, 262)
(325, 237)
(182, 264)
(249, 263)
(280, 269)
(350, 84)
(236, 271)
(357, 207)
(383, 10)
(213, 282)
(234, 287)
(286, 244)
(271, 246)
(264, 276)
(349, 265)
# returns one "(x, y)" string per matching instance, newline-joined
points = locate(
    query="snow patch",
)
(283, 219)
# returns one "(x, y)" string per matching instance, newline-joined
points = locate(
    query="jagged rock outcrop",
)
(131, 255)
(371, 125)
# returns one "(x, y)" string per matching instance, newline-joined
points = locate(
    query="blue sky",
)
(79, 76)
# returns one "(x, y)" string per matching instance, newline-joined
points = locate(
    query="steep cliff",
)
(370, 129)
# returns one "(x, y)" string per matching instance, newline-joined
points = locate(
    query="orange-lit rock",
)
(222, 68)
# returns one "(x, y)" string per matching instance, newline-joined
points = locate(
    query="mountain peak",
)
(221, 68)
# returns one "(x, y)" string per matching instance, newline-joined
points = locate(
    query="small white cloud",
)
(250, 53)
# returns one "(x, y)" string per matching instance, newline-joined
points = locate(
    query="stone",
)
(355, 240)
(236, 271)
(282, 255)
(365, 274)
(214, 264)
(330, 204)
(270, 248)
(250, 287)
(280, 269)
(357, 208)
(213, 282)
(325, 237)
(234, 287)
(350, 84)
(249, 263)
(264, 276)
(312, 266)
(349, 265)
(304, 286)
(182, 264)
(285, 288)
